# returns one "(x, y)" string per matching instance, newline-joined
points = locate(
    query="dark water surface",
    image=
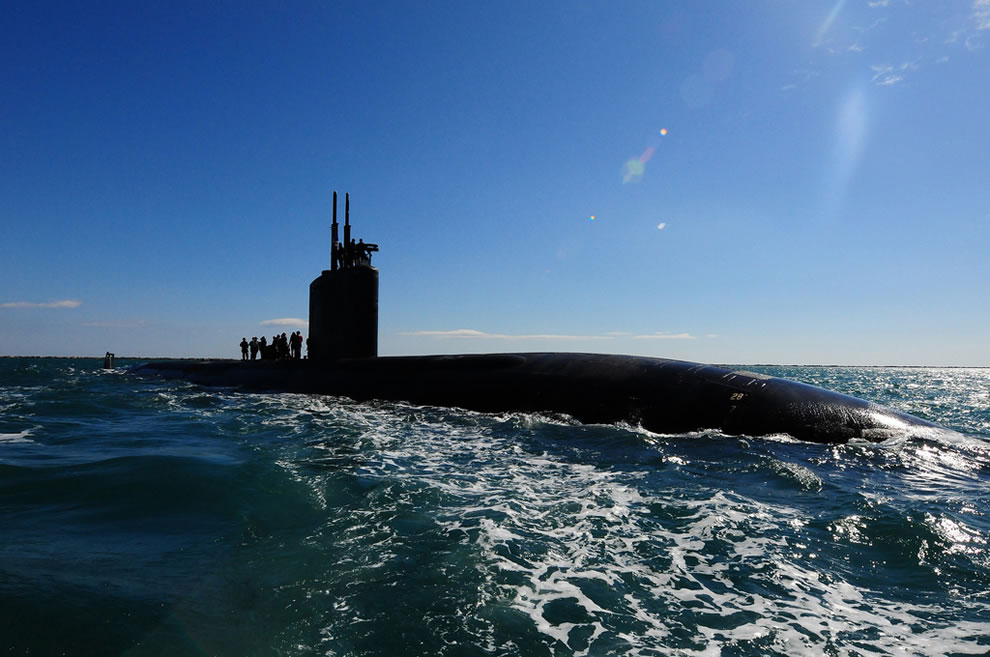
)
(144, 517)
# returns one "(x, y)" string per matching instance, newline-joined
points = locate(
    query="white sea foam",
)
(588, 553)
(20, 437)
(595, 525)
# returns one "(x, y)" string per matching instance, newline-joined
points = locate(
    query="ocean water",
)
(145, 517)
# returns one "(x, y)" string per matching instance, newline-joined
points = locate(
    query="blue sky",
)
(771, 182)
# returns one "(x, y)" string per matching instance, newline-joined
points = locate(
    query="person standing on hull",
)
(244, 349)
(254, 347)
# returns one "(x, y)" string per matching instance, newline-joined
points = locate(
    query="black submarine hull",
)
(661, 395)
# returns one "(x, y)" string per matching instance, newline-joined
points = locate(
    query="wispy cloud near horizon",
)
(65, 303)
(482, 335)
(665, 336)
(460, 334)
(286, 321)
(121, 324)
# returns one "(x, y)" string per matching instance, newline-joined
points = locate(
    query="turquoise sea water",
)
(144, 517)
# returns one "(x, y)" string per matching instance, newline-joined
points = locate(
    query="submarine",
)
(660, 395)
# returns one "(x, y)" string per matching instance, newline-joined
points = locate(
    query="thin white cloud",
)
(123, 324)
(456, 333)
(970, 36)
(65, 303)
(800, 77)
(286, 321)
(482, 335)
(666, 336)
(886, 75)
(981, 14)
(554, 336)
(460, 334)
(879, 3)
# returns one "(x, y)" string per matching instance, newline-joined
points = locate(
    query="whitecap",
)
(21, 437)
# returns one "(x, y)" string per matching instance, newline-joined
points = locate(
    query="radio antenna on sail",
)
(334, 246)
(347, 219)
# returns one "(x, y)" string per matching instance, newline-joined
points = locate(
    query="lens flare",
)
(663, 132)
(633, 170)
(592, 218)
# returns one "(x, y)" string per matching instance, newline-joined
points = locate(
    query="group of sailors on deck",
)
(280, 348)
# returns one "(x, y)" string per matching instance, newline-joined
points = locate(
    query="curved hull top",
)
(664, 396)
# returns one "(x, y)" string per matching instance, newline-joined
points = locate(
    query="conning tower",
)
(343, 301)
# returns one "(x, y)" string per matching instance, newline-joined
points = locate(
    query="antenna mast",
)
(347, 219)
(334, 248)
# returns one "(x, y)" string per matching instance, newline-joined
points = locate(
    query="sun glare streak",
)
(850, 136)
(832, 15)
(851, 128)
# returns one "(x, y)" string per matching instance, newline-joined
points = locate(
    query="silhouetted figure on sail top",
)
(347, 254)
(351, 253)
(364, 252)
